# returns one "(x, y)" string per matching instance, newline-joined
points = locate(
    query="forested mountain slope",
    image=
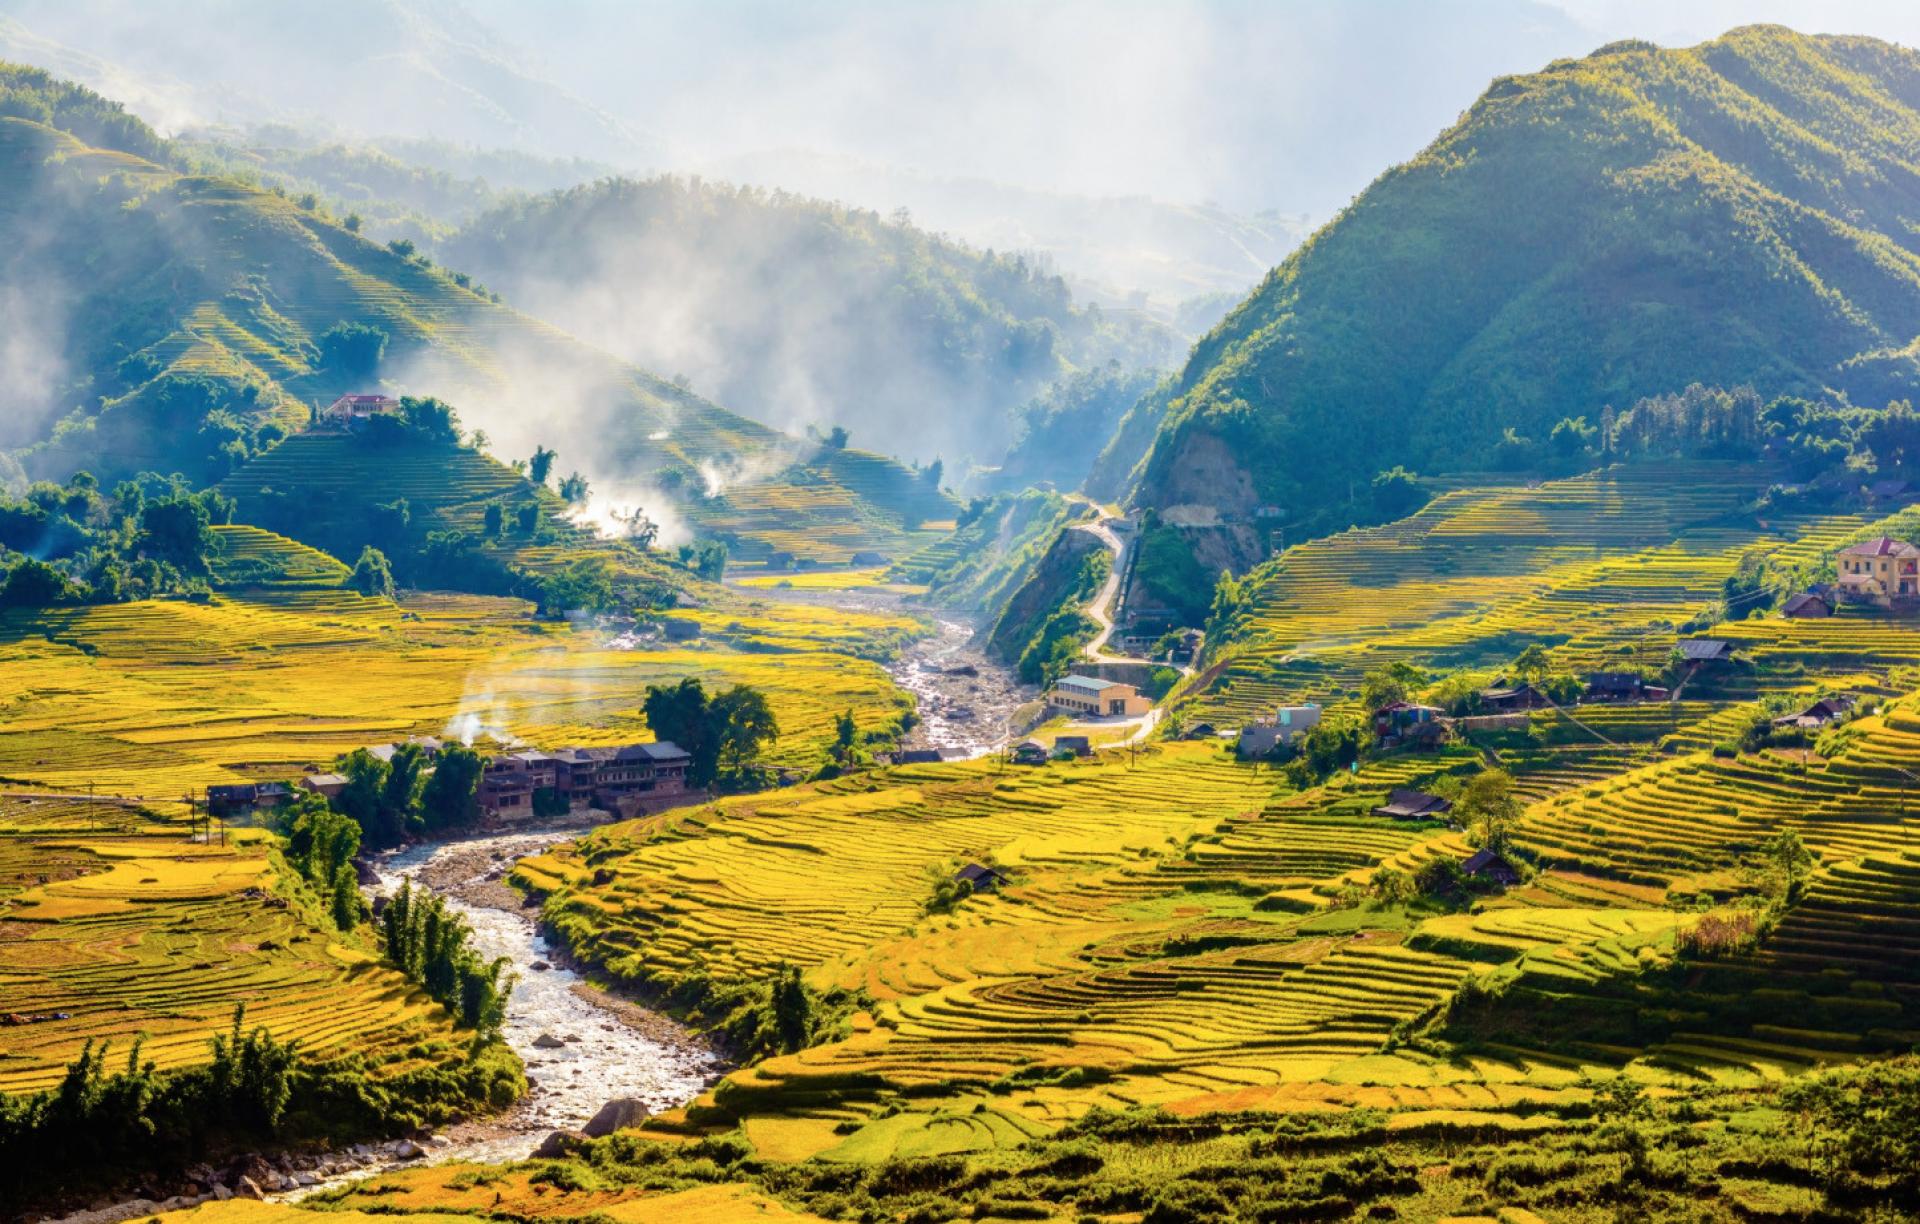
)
(1740, 212)
(802, 312)
(177, 322)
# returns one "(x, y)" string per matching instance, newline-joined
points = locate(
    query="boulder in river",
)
(539, 966)
(558, 1144)
(621, 1113)
(547, 1041)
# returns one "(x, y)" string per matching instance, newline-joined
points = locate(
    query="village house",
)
(326, 785)
(1405, 804)
(679, 628)
(1504, 699)
(1030, 752)
(611, 778)
(979, 878)
(1880, 571)
(1289, 723)
(1806, 606)
(245, 798)
(867, 556)
(1819, 714)
(1492, 866)
(1622, 686)
(1078, 745)
(915, 756)
(354, 411)
(1097, 698)
(1404, 722)
(1702, 651)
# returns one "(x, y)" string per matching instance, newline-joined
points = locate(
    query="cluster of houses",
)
(1488, 865)
(627, 780)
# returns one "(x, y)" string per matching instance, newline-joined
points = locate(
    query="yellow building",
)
(1880, 571)
(1098, 698)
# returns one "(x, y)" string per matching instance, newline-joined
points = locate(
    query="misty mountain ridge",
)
(1131, 252)
(1743, 212)
(213, 318)
(804, 313)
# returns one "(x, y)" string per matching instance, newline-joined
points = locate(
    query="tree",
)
(640, 530)
(792, 1009)
(494, 520)
(1572, 438)
(430, 419)
(402, 247)
(1532, 663)
(400, 796)
(352, 351)
(743, 725)
(448, 800)
(371, 575)
(933, 472)
(34, 584)
(575, 490)
(845, 735)
(583, 586)
(541, 464)
(178, 531)
(527, 518)
(837, 437)
(1489, 809)
(1385, 685)
(366, 776)
(678, 712)
(1396, 494)
(352, 223)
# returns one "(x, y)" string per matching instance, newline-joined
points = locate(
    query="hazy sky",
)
(1289, 104)
(1292, 105)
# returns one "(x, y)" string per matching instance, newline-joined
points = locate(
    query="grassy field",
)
(118, 922)
(163, 697)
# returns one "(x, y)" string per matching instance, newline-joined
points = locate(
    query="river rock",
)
(407, 1149)
(221, 1193)
(248, 1188)
(558, 1144)
(539, 966)
(621, 1113)
(547, 1041)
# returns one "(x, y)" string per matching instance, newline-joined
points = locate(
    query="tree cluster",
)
(724, 734)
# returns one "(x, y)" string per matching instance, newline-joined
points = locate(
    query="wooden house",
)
(1405, 804)
(980, 878)
(1492, 866)
(1806, 606)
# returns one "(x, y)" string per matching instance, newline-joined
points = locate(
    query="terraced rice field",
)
(118, 921)
(161, 698)
(1167, 939)
(1601, 568)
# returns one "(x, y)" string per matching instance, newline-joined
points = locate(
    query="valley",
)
(487, 740)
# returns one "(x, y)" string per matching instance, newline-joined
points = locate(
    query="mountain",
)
(1619, 226)
(185, 322)
(801, 312)
(1122, 251)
